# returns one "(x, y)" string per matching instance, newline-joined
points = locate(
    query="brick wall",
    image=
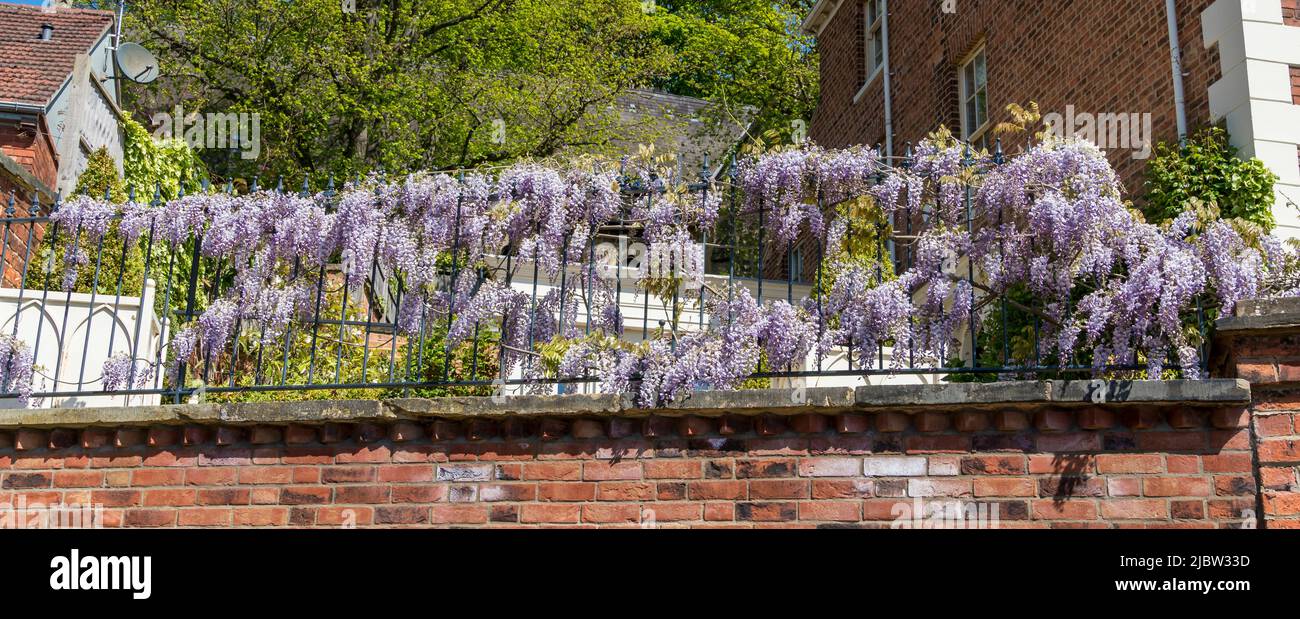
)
(30, 148)
(1138, 467)
(1295, 84)
(16, 188)
(1098, 55)
(1271, 361)
(1291, 12)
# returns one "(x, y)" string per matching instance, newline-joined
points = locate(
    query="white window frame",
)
(875, 33)
(969, 133)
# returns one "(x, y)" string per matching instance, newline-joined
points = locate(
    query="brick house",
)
(58, 103)
(891, 72)
(59, 94)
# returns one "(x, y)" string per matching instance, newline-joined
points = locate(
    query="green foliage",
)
(408, 85)
(1208, 169)
(329, 354)
(100, 177)
(743, 54)
(1005, 338)
(149, 164)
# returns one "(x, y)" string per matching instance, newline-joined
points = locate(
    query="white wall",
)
(60, 328)
(1256, 50)
(84, 115)
(641, 320)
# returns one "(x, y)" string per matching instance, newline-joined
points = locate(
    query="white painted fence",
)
(65, 329)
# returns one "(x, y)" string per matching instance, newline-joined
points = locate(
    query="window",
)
(975, 100)
(875, 37)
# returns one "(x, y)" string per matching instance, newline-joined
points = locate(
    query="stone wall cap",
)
(1261, 314)
(949, 397)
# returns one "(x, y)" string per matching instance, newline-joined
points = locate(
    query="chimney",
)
(47, 32)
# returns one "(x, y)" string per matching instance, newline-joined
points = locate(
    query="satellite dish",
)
(136, 63)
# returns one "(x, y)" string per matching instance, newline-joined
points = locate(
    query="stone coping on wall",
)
(903, 400)
(1276, 316)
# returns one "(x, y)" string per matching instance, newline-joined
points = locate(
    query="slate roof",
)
(681, 126)
(32, 70)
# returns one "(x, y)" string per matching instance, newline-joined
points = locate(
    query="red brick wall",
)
(1272, 365)
(1291, 12)
(34, 152)
(1141, 468)
(31, 148)
(1098, 55)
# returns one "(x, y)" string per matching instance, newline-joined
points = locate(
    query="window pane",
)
(968, 119)
(878, 51)
(981, 77)
(968, 77)
(981, 108)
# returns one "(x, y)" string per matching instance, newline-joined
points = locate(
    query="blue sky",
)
(36, 2)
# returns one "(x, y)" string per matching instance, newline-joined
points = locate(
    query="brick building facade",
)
(1239, 62)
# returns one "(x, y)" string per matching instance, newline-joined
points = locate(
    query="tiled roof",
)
(32, 70)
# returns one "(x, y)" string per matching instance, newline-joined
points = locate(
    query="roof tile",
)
(32, 70)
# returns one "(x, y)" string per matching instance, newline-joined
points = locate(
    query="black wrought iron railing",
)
(128, 298)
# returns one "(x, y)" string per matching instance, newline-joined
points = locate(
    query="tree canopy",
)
(401, 85)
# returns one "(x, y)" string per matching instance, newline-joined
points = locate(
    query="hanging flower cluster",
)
(1051, 219)
(16, 368)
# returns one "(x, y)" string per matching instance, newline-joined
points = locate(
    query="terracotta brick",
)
(830, 511)
(1227, 463)
(1134, 509)
(1004, 487)
(560, 491)
(264, 435)
(553, 513)
(1136, 463)
(767, 467)
(93, 438)
(717, 490)
(1096, 418)
(993, 465)
(602, 471)
(625, 491)
(28, 439)
(1183, 418)
(611, 513)
(150, 518)
(205, 517)
(588, 428)
(403, 431)
(1053, 420)
(1227, 418)
(1176, 486)
(1176, 463)
(970, 421)
(766, 512)
(1010, 421)
(403, 514)
(1046, 509)
(552, 471)
(852, 423)
(1278, 424)
(830, 467)
(892, 422)
(782, 489)
(930, 422)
